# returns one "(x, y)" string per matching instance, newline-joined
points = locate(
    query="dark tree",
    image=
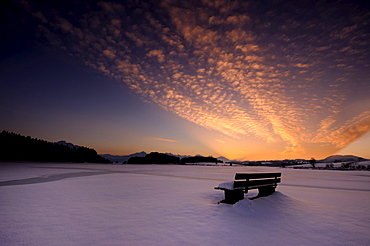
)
(154, 158)
(196, 159)
(313, 162)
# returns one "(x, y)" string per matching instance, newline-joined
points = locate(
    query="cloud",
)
(64, 25)
(220, 141)
(109, 53)
(158, 54)
(164, 139)
(344, 134)
(279, 77)
(40, 16)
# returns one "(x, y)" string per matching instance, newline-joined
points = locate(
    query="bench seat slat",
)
(255, 183)
(256, 175)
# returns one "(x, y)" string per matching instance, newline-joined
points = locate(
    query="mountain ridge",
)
(123, 158)
(342, 158)
(329, 159)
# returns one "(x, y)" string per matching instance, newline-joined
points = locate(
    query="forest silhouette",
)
(16, 147)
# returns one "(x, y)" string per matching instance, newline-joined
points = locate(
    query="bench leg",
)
(232, 196)
(266, 191)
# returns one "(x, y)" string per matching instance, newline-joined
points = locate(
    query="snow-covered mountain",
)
(123, 158)
(221, 158)
(342, 158)
(179, 156)
(70, 145)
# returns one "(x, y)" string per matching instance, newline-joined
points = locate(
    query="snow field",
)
(177, 205)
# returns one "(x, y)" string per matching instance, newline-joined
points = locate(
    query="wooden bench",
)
(264, 182)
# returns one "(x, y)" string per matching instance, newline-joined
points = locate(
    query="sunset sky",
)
(248, 80)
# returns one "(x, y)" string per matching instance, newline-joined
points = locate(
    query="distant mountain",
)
(155, 158)
(224, 159)
(69, 145)
(180, 156)
(125, 158)
(221, 158)
(342, 158)
(122, 158)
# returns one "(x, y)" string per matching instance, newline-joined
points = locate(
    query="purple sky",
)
(242, 79)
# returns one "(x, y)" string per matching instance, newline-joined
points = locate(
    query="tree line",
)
(15, 147)
(161, 158)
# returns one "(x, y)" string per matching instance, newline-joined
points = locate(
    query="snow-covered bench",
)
(264, 182)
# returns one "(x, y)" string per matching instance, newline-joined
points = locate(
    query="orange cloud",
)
(164, 139)
(232, 73)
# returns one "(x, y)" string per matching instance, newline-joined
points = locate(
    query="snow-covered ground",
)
(92, 204)
(351, 164)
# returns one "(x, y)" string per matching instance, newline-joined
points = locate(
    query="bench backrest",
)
(254, 180)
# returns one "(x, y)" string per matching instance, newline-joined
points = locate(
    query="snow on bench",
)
(264, 182)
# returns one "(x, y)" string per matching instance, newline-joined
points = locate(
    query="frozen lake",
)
(93, 204)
